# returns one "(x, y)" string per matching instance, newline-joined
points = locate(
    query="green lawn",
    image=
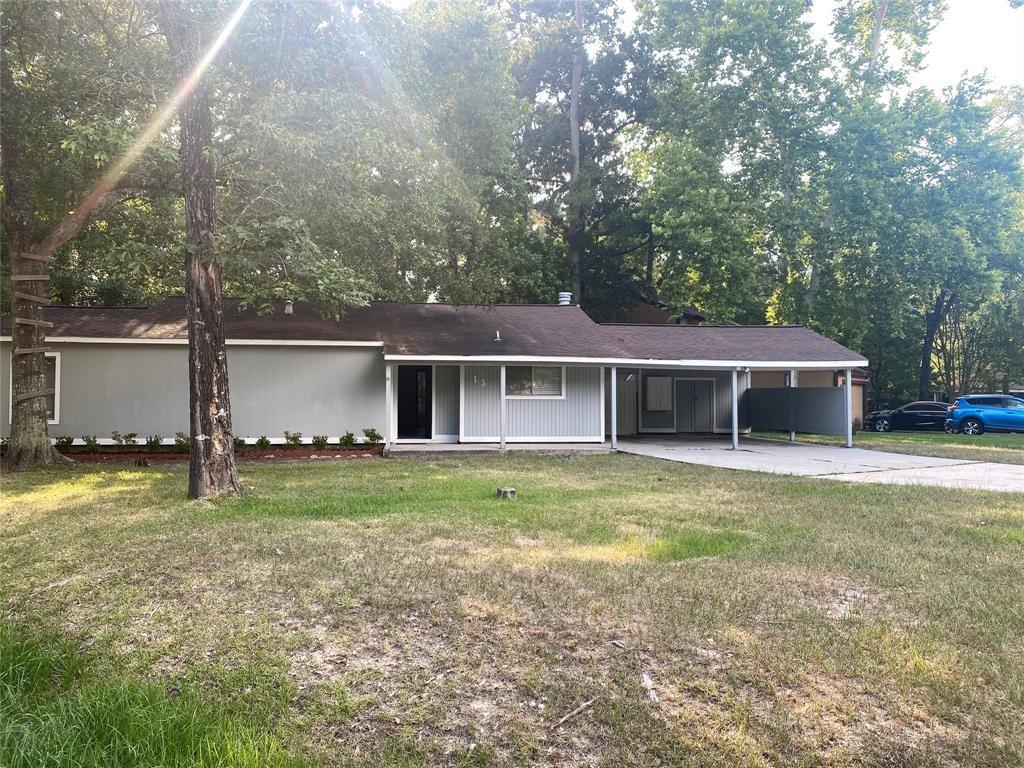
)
(393, 613)
(1001, 448)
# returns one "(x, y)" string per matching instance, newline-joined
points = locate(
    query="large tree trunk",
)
(932, 320)
(30, 440)
(573, 241)
(212, 468)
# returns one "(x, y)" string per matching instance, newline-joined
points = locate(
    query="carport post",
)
(792, 383)
(388, 404)
(848, 389)
(614, 408)
(504, 410)
(735, 413)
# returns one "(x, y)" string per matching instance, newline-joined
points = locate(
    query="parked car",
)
(974, 414)
(917, 416)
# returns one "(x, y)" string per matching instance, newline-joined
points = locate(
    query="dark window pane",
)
(50, 377)
(518, 380)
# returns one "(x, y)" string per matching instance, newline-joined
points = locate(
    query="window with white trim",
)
(535, 381)
(51, 380)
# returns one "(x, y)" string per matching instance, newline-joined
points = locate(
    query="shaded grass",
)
(54, 712)
(394, 613)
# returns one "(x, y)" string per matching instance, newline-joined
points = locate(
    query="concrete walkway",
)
(854, 465)
(428, 449)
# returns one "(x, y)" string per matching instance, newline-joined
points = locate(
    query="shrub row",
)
(182, 442)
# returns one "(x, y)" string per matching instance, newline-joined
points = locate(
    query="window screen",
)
(533, 381)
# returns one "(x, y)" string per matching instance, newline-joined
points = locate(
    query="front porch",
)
(558, 405)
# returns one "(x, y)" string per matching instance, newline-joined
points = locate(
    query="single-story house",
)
(436, 373)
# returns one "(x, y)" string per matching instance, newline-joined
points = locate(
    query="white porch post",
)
(504, 410)
(792, 383)
(735, 412)
(388, 407)
(848, 389)
(614, 410)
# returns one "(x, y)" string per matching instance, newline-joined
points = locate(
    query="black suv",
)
(919, 416)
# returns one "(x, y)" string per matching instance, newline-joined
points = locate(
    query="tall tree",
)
(575, 223)
(212, 469)
(575, 73)
(76, 85)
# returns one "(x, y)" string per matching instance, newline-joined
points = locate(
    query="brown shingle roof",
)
(526, 330)
(753, 343)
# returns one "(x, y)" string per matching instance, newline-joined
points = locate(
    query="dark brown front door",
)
(415, 383)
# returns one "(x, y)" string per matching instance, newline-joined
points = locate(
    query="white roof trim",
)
(626, 362)
(229, 342)
(632, 362)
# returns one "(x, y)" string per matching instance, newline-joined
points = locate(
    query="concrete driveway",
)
(856, 465)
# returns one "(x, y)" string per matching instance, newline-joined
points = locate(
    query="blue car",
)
(974, 414)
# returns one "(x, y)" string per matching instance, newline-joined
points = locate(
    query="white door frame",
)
(433, 406)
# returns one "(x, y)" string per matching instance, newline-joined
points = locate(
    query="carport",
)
(705, 387)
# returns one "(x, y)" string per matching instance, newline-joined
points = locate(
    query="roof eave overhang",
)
(634, 362)
(626, 362)
(229, 342)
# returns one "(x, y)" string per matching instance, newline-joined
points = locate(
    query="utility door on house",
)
(695, 406)
(415, 396)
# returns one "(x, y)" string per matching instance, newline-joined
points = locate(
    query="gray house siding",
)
(666, 421)
(575, 417)
(142, 388)
(481, 401)
(626, 395)
(446, 400)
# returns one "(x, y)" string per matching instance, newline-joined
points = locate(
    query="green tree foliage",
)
(787, 190)
(728, 159)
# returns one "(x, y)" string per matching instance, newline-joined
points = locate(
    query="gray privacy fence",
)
(799, 409)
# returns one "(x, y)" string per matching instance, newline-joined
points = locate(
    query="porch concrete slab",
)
(830, 462)
(420, 449)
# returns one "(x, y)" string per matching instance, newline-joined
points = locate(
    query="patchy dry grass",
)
(393, 613)
(998, 447)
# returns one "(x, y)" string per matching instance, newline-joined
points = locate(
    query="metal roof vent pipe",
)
(288, 308)
(564, 298)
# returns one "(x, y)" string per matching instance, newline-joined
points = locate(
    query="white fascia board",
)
(631, 362)
(229, 342)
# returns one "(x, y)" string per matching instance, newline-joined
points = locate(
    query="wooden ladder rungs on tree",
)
(36, 323)
(37, 393)
(36, 257)
(30, 297)
(32, 350)
(29, 278)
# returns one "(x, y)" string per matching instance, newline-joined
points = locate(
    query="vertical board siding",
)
(446, 400)
(577, 415)
(319, 390)
(626, 395)
(144, 389)
(482, 400)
